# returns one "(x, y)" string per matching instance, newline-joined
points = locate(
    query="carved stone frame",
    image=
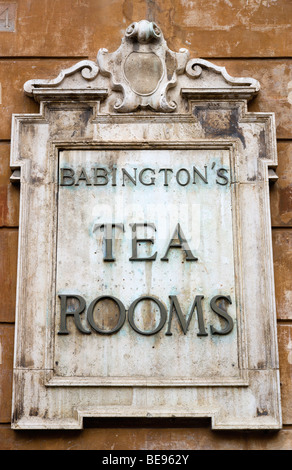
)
(76, 111)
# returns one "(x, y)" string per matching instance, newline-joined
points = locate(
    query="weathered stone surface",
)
(281, 191)
(275, 77)
(13, 74)
(9, 194)
(143, 68)
(186, 359)
(8, 265)
(282, 248)
(6, 371)
(285, 356)
(207, 28)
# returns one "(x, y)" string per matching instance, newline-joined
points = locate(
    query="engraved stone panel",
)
(152, 191)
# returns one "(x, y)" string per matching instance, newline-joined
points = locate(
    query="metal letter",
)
(104, 176)
(183, 322)
(129, 176)
(178, 234)
(136, 240)
(165, 175)
(188, 177)
(200, 175)
(219, 173)
(108, 238)
(114, 183)
(75, 313)
(223, 314)
(163, 315)
(152, 180)
(69, 176)
(122, 316)
(82, 176)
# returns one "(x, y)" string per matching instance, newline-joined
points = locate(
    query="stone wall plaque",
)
(145, 271)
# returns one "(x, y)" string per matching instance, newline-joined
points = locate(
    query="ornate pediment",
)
(144, 74)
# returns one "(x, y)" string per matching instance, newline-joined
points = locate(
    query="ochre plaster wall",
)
(250, 38)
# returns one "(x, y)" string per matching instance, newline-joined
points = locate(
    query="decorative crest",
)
(143, 68)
